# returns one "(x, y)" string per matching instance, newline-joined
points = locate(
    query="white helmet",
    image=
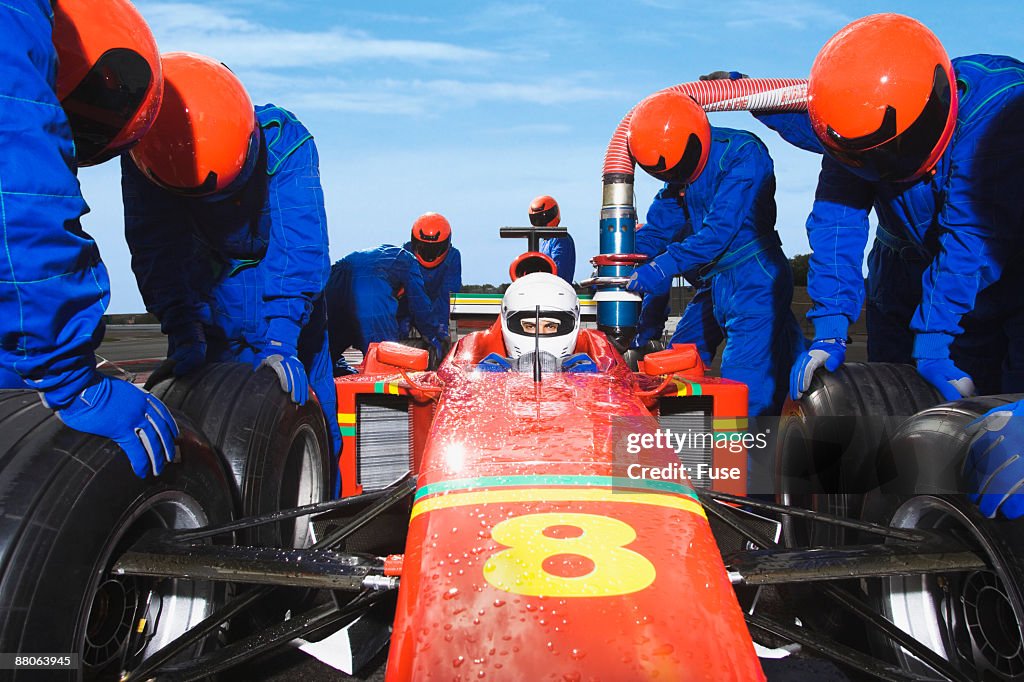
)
(559, 315)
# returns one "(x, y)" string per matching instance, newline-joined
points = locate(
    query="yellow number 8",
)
(567, 555)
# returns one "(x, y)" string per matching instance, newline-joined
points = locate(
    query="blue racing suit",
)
(721, 236)
(945, 272)
(563, 251)
(239, 263)
(54, 286)
(362, 299)
(440, 283)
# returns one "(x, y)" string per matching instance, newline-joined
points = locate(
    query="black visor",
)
(887, 156)
(544, 218)
(684, 169)
(552, 322)
(105, 101)
(431, 251)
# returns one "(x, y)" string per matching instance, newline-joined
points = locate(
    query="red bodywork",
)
(531, 554)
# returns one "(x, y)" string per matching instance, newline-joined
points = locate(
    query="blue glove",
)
(129, 416)
(280, 355)
(994, 469)
(186, 352)
(827, 353)
(580, 363)
(931, 352)
(494, 363)
(650, 279)
(953, 383)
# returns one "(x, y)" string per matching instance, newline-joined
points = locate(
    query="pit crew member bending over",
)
(55, 287)
(539, 313)
(719, 201)
(362, 301)
(225, 219)
(441, 269)
(936, 147)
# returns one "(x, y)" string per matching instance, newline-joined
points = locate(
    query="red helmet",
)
(544, 212)
(882, 98)
(670, 137)
(108, 75)
(431, 239)
(205, 139)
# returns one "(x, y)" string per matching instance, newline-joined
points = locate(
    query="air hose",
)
(617, 310)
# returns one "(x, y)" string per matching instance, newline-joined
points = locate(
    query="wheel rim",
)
(301, 484)
(120, 603)
(970, 619)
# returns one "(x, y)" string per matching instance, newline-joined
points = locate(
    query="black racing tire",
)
(276, 451)
(826, 456)
(70, 506)
(985, 608)
(828, 442)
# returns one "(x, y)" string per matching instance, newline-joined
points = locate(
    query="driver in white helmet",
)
(540, 314)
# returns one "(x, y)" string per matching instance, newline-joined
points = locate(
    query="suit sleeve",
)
(53, 285)
(158, 230)
(666, 220)
(837, 231)
(749, 172)
(296, 262)
(793, 127)
(452, 285)
(407, 272)
(979, 224)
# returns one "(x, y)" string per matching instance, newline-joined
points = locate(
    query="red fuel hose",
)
(745, 94)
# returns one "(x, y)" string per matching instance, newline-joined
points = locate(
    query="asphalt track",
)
(137, 349)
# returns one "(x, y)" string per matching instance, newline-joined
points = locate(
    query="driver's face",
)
(547, 327)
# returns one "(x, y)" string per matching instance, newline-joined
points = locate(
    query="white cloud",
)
(412, 97)
(794, 14)
(240, 42)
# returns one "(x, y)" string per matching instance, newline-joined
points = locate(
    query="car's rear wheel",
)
(975, 618)
(277, 451)
(828, 443)
(71, 506)
(827, 451)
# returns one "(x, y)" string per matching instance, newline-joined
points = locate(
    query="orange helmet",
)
(882, 98)
(205, 139)
(544, 212)
(431, 239)
(108, 75)
(670, 137)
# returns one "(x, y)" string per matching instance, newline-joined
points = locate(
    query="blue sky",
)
(473, 108)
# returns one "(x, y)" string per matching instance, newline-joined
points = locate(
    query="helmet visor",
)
(884, 155)
(105, 101)
(552, 322)
(429, 252)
